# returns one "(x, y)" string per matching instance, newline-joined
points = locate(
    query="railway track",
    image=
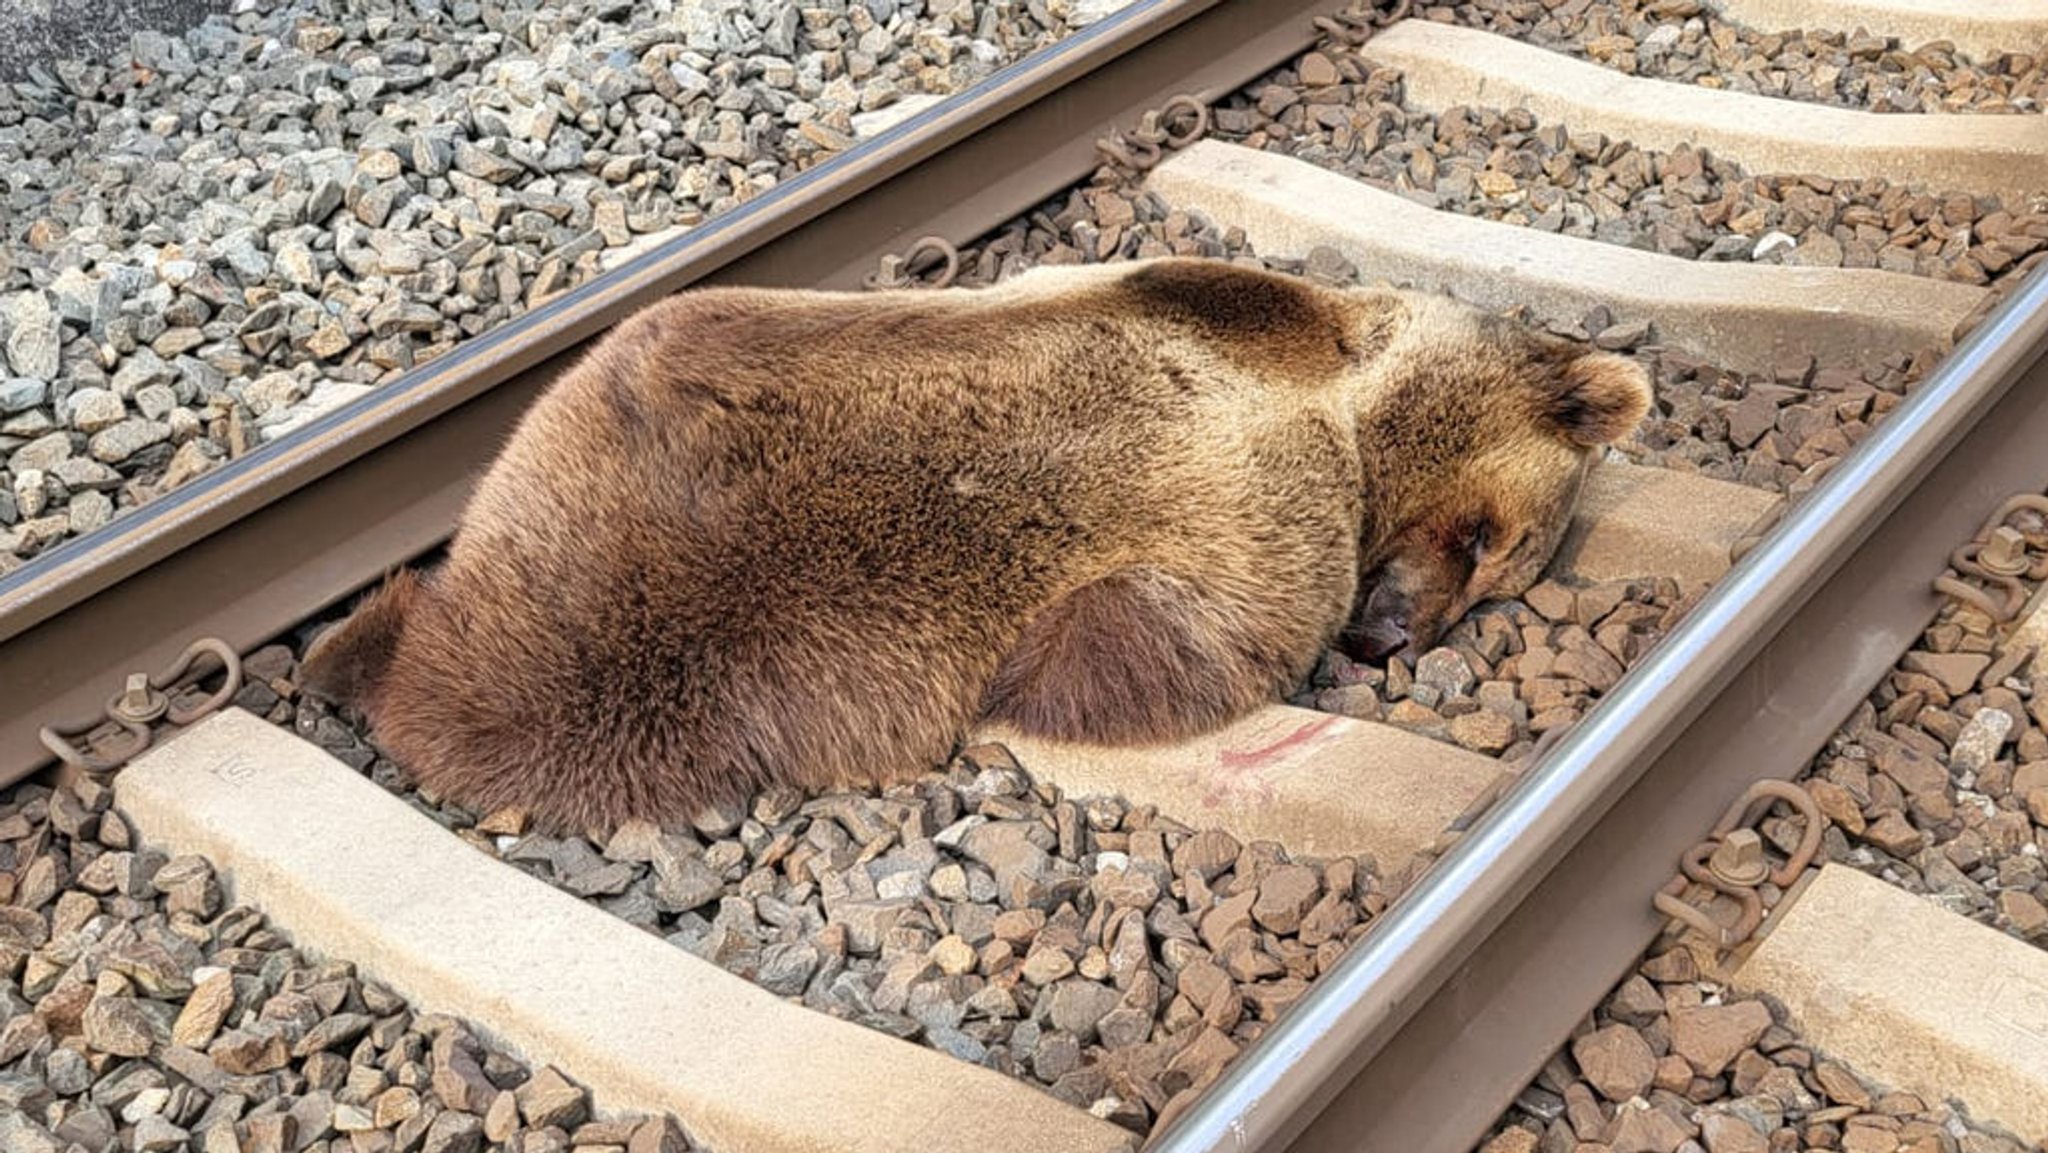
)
(1376, 917)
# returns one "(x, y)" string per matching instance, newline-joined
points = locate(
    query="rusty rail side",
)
(1432, 1024)
(246, 552)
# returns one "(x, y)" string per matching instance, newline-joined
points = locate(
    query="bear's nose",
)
(1385, 636)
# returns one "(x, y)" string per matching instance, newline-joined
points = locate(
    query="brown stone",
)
(1837, 804)
(1204, 1057)
(1710, 1036)
(1582, 1111)
(657, 1135)
(502, 1119)
(1727, 1133)
(1636, 1002)
(457, 1077)
(1894, 835)
(2028, 777)
(1591, 664)
(1863, 1138)
(1644, 1130)
(1228, 917)
(272, 1132)
(1752, 417)
(504, 822)
(124, 1026)
(2025, 914)
(1616, 1061)
(1484, 731)
(1672, 965)
(395, 1106)
(204, 1011)
(63, 1008)
(1284, 897)
(1957, 672)
(1915, 771)
(244, 1053)
(1841, 1086)
(1317, 71)
(1674, 1074)
(1513, 1139)
(548, 1098)
(1551, 599)
(335, 1031)
(1212, 993)
(1208, 853)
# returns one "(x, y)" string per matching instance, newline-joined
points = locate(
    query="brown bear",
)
(761, 537)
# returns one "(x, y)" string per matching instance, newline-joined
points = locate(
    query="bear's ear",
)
(1598, 398)
(346, 663)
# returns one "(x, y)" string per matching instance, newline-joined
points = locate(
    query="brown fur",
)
(766, 536)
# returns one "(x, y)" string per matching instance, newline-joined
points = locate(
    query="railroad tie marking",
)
(1241, 775)
(1259, 757)
(1323, 784)
(234, 768)
(2021, 1004)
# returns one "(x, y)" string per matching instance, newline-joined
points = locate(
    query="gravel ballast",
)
(1687, 42)
(1938, 784)
(1341, 113)
(141, 1010)
(1115, 956)
(214, 236)
(1673, 1062)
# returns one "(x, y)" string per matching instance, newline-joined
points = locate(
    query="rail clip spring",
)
(143, 701)
(1174, 125)
(1354, 26)
(904, 269)
(1731, 861)
(1997, 556)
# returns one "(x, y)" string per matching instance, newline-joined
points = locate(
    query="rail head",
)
(1276, 1089)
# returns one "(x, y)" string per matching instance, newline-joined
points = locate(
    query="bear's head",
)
(1475, 432)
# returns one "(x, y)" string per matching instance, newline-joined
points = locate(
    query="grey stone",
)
(33, 336)
(21, 393)
(92, 409)
(141, 369)
(1446, 671)
(123, 440)
(1077, 1005)
(89, 510)
(683, 883)
(126, 1026)
(1978, 744)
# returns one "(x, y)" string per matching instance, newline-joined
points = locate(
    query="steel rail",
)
(1431, 1025)
(248, 551)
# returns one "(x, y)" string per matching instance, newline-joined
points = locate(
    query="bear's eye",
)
(1482, 538)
